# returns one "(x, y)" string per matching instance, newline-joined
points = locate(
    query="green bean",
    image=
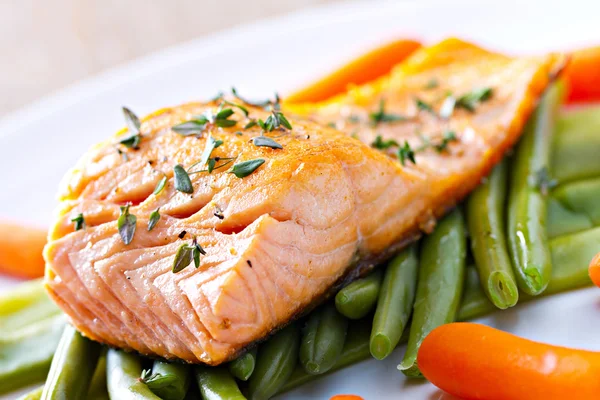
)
(562, 221)
(72, 367)
(35, 394)
(276, 360)
(26, 358)
(123, 372)
(395, 303)
(243, 366)
(576, 144)
(440, 285)
(216, 383)
(168, 381)
(323, 339)
(527, 206)
(98, 383)
(23, 308)
(356, 348)
(569, 253)
(485, 218)
(582, 197)
(358, 298)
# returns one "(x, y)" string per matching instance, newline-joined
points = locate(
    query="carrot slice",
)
(474, 361)
(583, 75)
(594, 270)
(361, 70)
(21, 250)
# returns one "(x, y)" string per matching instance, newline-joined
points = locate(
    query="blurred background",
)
(46, 45)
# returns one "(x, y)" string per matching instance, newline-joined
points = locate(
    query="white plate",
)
(39, 142)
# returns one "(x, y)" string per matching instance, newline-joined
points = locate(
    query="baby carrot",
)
(21, 250)
(346, 397)
(363, 69)
(583, 75)
(594, 270)
(474, 361)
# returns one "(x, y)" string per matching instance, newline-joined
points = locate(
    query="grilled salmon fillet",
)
(285, 215)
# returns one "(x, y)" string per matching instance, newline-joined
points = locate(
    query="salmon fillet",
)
(320, 210)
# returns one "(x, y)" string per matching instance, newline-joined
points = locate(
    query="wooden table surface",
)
(49, 44)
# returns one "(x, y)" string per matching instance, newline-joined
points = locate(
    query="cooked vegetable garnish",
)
(486, 218)
(243, 366)
(323, 339)
(276, 361)
(440, 285)
(358, 298)
(594, 270)
(526, 229)
(476, 361)
(217, 384)
(123, 371)
(169, 381)
(72, 367)
(395, 303)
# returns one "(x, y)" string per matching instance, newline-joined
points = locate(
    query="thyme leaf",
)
(182, 180)
(79, 222)
(126, 224)
(154, 218)
(245, 168)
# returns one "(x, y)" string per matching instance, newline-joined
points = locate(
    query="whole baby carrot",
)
(21, 250)
(474, 361)
(594, 270)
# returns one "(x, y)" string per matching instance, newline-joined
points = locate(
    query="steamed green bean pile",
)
(529, 230)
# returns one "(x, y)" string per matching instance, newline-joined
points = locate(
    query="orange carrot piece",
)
(594, 270)
(21, 250)
(583, 75)
(363, 69)
(474, 361)
(346, 397)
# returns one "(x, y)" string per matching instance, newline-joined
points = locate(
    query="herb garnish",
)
(381, 144)
(274, 121)
(182, 180)
(542, 181)
(186, 254)
(245, 168)
(449, 136)
(381, 116)
(160, 185)
(79, 222)
(263, 141)
(239, 107)
(469, 101)
(133, 125)
(432, 84)
(406, 153)
(197, 125)
(154, 218)
(211, 144)
(423, 106)
(250, 124)
(126, 224)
